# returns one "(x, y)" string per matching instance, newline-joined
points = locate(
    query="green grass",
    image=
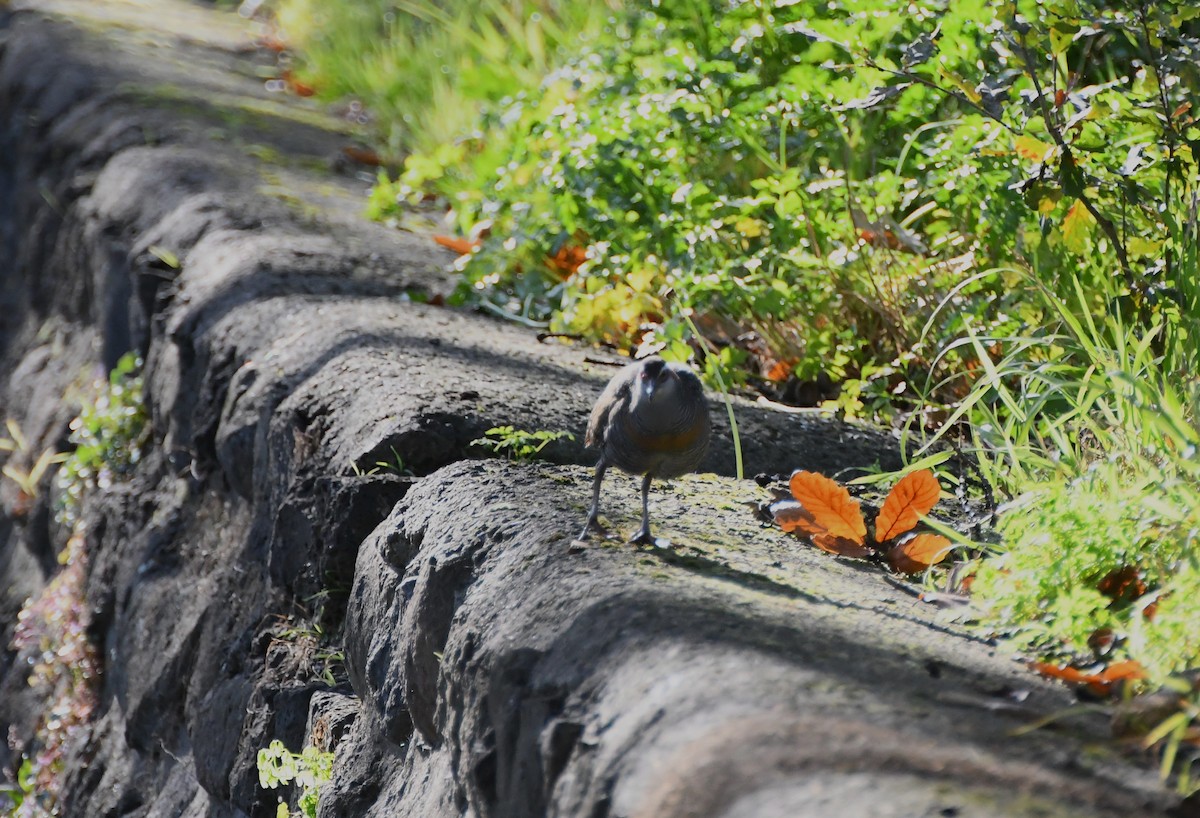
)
(1092, 422)
(427, 70)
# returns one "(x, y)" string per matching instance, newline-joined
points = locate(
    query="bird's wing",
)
(614, 400)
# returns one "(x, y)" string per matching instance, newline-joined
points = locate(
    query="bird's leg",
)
(593, 518)
(643, 536)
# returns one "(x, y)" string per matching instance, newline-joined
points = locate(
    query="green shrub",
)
(1101, 568)
(710, 160)
(810, 180)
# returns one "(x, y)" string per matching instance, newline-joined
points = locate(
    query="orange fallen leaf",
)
(568, 259)
(915, 554)
(840, 546)
(1072, 675)
(272, 42)
(881, 238)
(908, 501)
(364, 156)
(1099, 683)
(793, 517)
(830, 505)
(460, 246)
(1127, 669)
(781, 371)
(298, 86)
(1064, 673)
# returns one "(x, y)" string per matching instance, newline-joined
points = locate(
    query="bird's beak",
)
(652, 386)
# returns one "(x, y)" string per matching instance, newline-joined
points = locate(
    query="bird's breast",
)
(665, 443)
(634, 449)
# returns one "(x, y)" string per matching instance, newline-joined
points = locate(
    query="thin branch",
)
(928, 83)
(1169, 131)
(1068, 160)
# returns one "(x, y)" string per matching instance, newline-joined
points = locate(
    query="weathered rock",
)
(735, 674)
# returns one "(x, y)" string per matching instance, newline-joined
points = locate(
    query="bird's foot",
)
(643, 537)
(590, 528)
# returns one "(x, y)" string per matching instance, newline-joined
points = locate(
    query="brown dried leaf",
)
(460, 246)
(364, 156)
(567, 260)
(840, 546)
(1122, 584)
(908, 501)
(830, 505)
(780, 371)
(915, 554)
(791, 516)
(795, 518)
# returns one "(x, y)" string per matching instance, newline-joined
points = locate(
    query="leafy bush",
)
(810, 181)
(709, 161)
(1099, 568)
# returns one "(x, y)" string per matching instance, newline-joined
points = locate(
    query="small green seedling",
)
(518, 444)
(396, 465)
(27, 480)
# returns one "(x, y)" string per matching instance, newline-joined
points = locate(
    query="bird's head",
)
(658, 384)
